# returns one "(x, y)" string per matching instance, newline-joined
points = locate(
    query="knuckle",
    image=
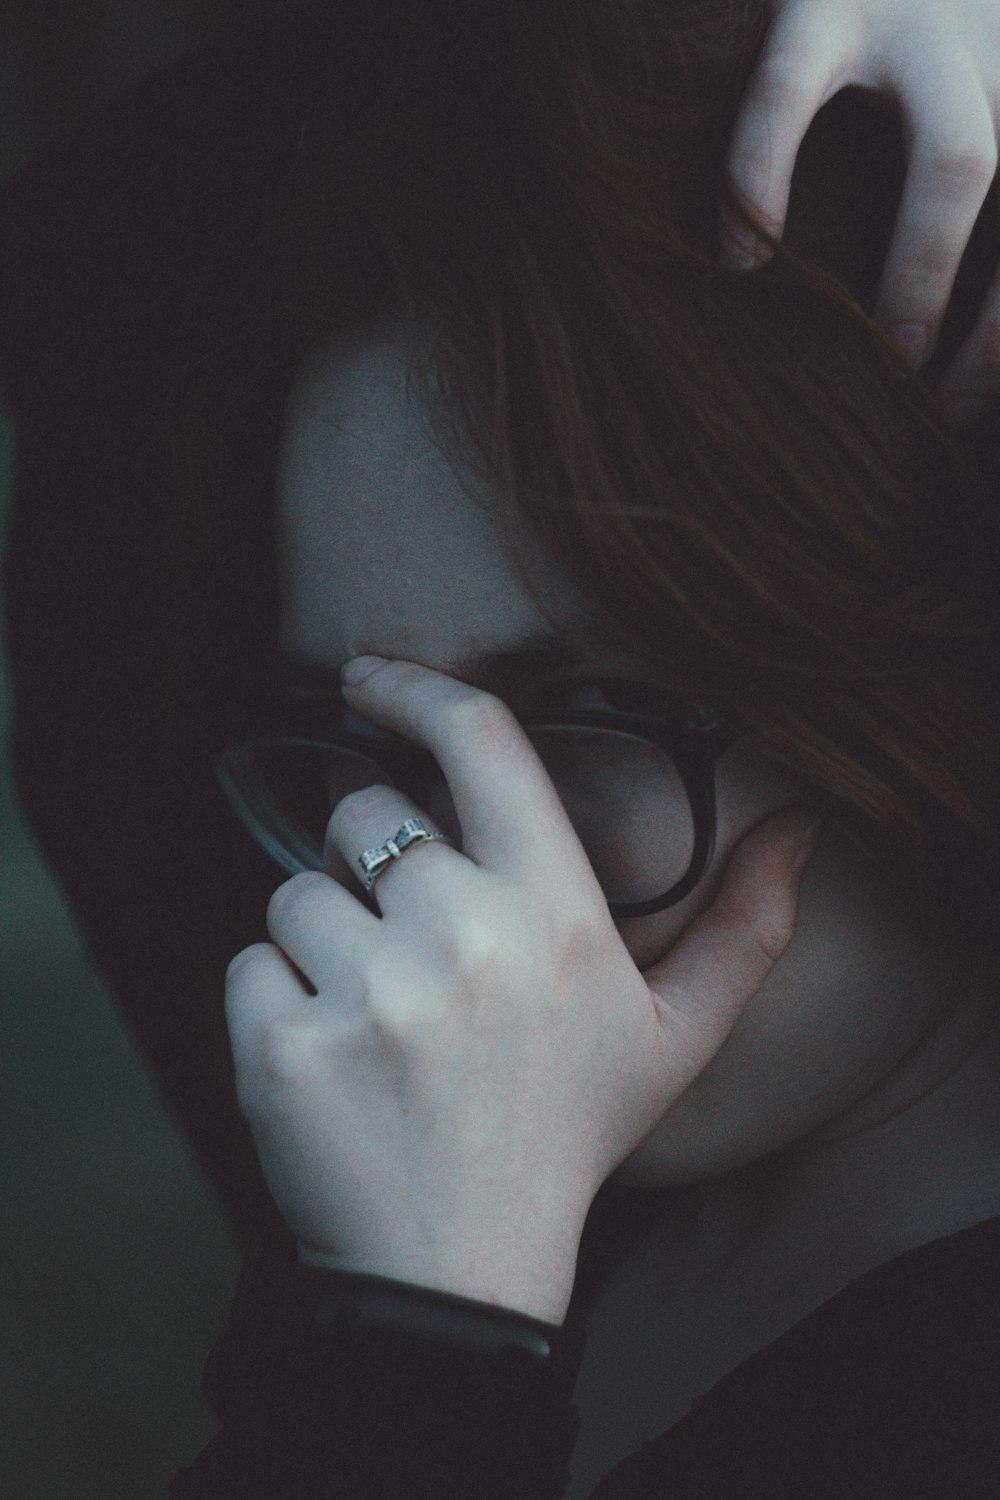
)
(392, 980)
(246, 959)
(479, 944)
(781, 86)
(759, 917)
(291, 890)
(280, 1063)
(285, 1053)
(471, 947)
(962, 170)
(358, 806)
(398, 1011)
(395, 1015)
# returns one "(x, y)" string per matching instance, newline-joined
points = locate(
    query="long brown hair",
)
(756, 497)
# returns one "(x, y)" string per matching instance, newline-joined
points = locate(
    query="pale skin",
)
(441, 1220)
(445, 1106)
(939, 61)
(792, 1054)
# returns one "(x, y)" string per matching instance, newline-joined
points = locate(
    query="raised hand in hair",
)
(940, 61)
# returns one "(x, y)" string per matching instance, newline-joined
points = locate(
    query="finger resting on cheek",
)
(772, 849)
(723, 958)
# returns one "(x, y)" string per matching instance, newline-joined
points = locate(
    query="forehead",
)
(384, 545)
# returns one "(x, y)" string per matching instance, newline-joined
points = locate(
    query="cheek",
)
(837, 1013)
(745, 795)
(648, 939)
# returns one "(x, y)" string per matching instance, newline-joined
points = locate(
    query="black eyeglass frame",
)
(694, 745)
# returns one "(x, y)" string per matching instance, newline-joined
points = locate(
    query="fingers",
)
(972, 383)
(802, 66)
(937, 67)
(321, 928)
(262, 990)
(367, 820)
(511, 817)
(952, 164)
(322, 936)
(723, 958)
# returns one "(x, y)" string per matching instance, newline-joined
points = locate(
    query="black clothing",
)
(317, 1405)
(128, 255)
(890, 1391)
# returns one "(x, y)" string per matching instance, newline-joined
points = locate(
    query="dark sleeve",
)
(338, 1387)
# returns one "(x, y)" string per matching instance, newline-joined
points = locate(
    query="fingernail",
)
(910, 340)
(807, 845)
(358, 668)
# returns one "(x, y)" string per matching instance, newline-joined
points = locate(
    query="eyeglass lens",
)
(623, 795)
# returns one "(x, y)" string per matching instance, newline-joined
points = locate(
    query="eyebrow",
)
(515, 673)
(543, 659)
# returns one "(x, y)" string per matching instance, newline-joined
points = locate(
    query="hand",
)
(474, 1063)
(940, 60)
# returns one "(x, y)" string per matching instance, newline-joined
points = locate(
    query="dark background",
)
(116, 1266)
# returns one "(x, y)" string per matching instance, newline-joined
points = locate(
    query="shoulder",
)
(889, 1391)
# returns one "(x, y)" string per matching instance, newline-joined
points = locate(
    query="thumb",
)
(720, 962)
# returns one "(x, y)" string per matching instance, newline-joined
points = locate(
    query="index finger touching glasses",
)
(496, 779)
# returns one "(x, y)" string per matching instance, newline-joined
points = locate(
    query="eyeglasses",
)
(639, 791)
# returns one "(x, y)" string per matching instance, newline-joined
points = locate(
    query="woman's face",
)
(383, 550)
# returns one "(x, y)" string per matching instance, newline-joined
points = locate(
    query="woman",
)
(518, 405)
(665, 501)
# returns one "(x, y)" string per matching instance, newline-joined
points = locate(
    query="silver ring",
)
(374, 861)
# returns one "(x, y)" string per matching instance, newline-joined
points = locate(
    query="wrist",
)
(542, 1298)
